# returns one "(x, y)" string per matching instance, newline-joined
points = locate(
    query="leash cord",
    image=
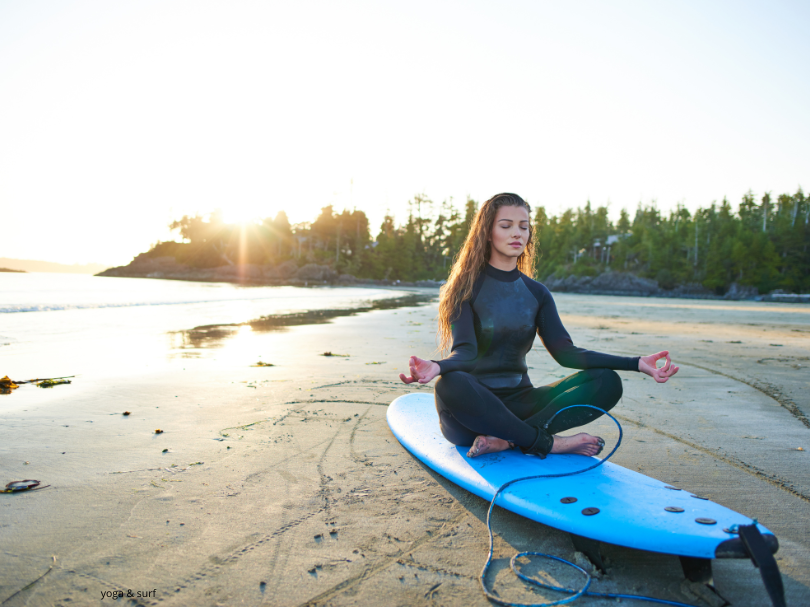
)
(575, 594)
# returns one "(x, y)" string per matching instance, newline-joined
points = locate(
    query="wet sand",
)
(283, 485)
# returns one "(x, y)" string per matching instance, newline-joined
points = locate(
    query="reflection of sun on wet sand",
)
(211, 335)
(283, 484)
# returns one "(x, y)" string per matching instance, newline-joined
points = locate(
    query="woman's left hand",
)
(647, 364)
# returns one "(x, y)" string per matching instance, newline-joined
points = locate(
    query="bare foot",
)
(487, 444)
(582, 444)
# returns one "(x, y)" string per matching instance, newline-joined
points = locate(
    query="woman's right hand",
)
(421, 370)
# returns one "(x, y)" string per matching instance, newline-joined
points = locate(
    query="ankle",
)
(542, 445)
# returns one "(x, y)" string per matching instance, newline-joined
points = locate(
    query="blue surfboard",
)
(608, 504)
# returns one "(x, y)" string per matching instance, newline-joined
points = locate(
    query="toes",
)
(476, 448)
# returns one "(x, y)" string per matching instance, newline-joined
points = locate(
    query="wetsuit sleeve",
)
(559, 344)
(464, 351)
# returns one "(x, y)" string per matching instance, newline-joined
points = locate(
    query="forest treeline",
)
(763, 243)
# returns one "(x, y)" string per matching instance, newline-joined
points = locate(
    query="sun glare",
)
(245, 215)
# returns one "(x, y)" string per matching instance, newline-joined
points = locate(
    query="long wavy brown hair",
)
(473, 258)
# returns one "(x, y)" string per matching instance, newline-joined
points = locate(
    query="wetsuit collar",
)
(510, 276)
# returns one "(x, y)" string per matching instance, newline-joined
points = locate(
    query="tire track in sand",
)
(767, 389)
(370, 571)
(234, 555)
(761, 474)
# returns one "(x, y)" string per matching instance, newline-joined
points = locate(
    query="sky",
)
(118, 117)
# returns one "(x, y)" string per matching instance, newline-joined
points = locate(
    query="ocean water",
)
(54, 325)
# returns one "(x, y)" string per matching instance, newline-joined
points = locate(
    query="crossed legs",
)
(469, 410)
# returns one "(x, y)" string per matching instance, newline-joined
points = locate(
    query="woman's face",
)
(510, 232)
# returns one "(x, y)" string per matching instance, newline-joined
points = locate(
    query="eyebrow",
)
(511, 220)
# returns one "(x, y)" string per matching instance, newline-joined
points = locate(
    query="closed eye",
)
(509, 226)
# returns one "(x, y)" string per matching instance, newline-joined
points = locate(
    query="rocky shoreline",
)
(285, 274)
(627, 284)
(289, 273)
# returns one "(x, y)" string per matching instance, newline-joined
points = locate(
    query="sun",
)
(244, 214)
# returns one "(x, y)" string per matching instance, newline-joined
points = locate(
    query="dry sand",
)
(284, 486)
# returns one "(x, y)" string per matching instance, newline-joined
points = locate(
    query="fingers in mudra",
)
(666, 371)
(659, 374)
(420, 370)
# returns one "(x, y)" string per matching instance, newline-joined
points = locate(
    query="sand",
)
(283, 485)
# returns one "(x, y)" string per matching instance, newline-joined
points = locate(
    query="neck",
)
(502, 262)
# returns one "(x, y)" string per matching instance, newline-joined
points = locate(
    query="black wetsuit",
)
(484, 387)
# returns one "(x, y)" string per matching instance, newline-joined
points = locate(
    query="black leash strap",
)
(761, 556)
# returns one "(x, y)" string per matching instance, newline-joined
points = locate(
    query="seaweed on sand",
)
(7, 384)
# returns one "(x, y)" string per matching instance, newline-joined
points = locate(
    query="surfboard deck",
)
(631, 506)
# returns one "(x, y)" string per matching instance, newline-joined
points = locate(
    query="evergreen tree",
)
(764, 244)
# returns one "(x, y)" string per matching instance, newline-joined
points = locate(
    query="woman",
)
(490, 309)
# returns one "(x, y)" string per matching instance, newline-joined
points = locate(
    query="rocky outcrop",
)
(313, 271)
(147, 267)
(609, 283)
(239, 272)
(287, 269)
(287, 273)
(625, 283)
(167, 267)
(737, 292)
